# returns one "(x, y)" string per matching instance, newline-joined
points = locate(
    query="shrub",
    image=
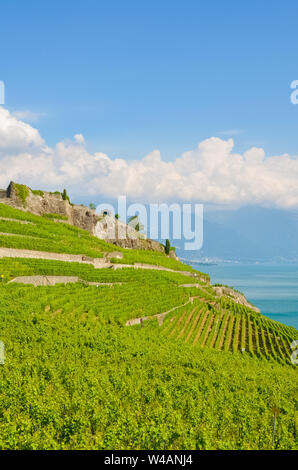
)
(37, 192)
(22, 192)
(167, 247)
(65, 196)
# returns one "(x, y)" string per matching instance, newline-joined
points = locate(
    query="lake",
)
(272, 288)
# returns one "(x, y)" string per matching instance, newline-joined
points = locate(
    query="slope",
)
(206, 375)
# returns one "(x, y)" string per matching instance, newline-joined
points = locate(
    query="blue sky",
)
(133, 76)
(156, 100)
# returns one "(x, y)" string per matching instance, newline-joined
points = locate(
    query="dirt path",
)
(23, 222)
(6, 234)
(98, 263)
(53, 280)
(154, 267)
(160, 316)
(16, 253)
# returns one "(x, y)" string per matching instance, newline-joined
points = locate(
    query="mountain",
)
(247, 234)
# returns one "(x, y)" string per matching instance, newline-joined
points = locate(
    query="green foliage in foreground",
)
(75, 377)
(73, 382)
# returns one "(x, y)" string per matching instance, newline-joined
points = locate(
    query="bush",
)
(37, 192)
(65, 196)
(22, 192)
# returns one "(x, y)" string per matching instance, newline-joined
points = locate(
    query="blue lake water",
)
(272, 288)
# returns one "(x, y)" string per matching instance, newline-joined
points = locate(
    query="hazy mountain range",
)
(247, 234)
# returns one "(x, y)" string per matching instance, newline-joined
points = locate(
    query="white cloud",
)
(79, 138)
(16, 134)
(211, 173)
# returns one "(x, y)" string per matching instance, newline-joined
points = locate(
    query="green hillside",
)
(206, 375)
(44, 234)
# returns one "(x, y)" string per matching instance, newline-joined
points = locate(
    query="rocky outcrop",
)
(103, 226)
(111, 229)
(173, 255)
(236, 296)
(118, 233)
(43, 202)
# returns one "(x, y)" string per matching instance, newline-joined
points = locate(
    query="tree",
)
(117, 216)
(167, 246)
(92, 206)
(65, 196)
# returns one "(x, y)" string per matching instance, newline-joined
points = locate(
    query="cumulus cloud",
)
(16, 134)
(79, 138)
(211, 173)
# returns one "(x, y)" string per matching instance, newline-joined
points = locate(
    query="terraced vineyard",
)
(226, 325)
(117, 303)
(206, 321)
(202, 372)
(23, 230)
(12, 267)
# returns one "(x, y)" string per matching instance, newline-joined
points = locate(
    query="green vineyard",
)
(231, 327)
(133, 358)
(206, 321)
